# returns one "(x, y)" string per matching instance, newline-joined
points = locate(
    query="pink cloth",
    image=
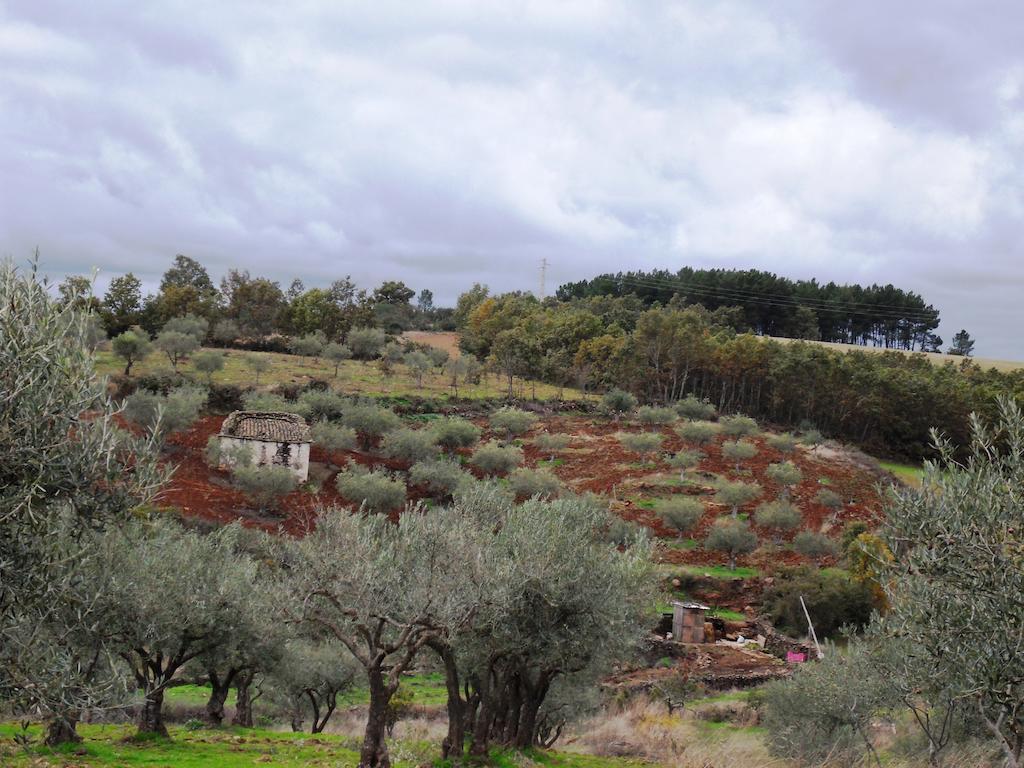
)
(795, 658)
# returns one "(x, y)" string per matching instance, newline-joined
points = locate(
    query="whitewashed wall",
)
(265, 453)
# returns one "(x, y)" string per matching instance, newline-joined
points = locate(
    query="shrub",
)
(829, 498)
(698, 432)
(366, 343)
(812, 437)
(735, 494)
(333, 437)
(833, 599)
(738, 451)
(175, 411)
(652, 417)
(264, 485)
(511, 422)
(617, 402)
(440, 476)
(733, 537)
(177, 346)
(438, 356)
(684, 460)
(813, 544)
(785, 442)
(224, 398)
(218, 456)
(310, 345)
(640, 442)
(209, 362)
(551, 443)
(680, 513)
(454, 433)
(623, 533)
(321, 406)
(190, 325)
(786, 474)
(410, 444)
(692, 408)
(778, 516)
(738, 426)
(495, 459)
(534, 482)
(376, 492)
(264, 401)
(370, 421)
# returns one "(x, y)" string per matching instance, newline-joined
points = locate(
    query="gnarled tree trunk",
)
(61, 730)
(243, 700)
(220, 688)
(374, 752)
(150, 719)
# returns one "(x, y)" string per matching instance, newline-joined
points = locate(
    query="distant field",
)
(354, 376)
(936, 357)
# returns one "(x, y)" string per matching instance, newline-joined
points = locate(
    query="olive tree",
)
(257, 364)
(337, 354)
(333, 437)
(370, 421)
(512, 422)
(681, 513)
(693, 409)
(131, 346)
(176, 345)
(175, 595)
(551, 443)
(165, 414)
(310, 345)
(738, 426)
(643, 443)
(190, 325)
(308, 678)
(264, 485)
(366, 343)
(209, 362)
(534, 482)
(441, 476)
(617, 403)
(698, 432)
(684, 460)
(410, 444)
(954, 588)
(784, 443)
(651, 416)
(419, 365)
(390, 589)
(374, 491)
(785, 474)
(493, 458)
(733, 537)
(735, 494)
(778, 517)
(452, 433)
(738, 451)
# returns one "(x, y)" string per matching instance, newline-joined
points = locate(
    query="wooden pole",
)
(810, 626)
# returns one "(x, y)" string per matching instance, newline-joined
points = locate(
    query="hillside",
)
(938, 358)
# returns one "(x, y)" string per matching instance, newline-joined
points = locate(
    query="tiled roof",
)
(261, 425)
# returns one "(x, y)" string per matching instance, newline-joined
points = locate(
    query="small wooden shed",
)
(688, 622)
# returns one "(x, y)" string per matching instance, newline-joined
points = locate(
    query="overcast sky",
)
(446, 143)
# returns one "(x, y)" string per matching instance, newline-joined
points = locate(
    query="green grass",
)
(908, 473)
(727, 614)
(647, 503)
(681, 543)
(193, 696)
(354, 376)
(427, 691)
(720, 571)
(104, 746)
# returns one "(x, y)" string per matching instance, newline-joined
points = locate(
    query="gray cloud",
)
(452, 142)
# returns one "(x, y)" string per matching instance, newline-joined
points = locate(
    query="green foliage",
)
(257, 364)
(316, 405)
(551, 443)
(333, 437)
(176, 345)
(452, 433)
(208, 361)
(366, 343)
(851, 531)
(337, 354)
(374, 491)
(370, 421)
(190, 325)
(829, 498)
(225, 331)
(812, 437)
(164, 414)
(695, 410)
(310, 345)
(131, 346)
(824, 713)
(534, 482)
(640, 442)
(493, 458)
(652, 417)
(410, 444)
(786, 474)
(439, 357)
(733, 537)
(778, 517)
(738, 426)
(218, 456)
(682, 513)
(684, 460)
(419, 364)
(264, 401)
(833, 599)
(512, 422)
(738, 451)
(625, 533)
(265, 485)
(698, 432)
(813, 544)
(442, 477)
(785, 442)
(617, 402)
(736, 493)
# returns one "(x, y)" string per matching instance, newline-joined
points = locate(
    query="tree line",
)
(768, 305)
(885, 402)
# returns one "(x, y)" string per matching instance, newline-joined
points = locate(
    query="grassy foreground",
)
(106, 746)
(354, 376)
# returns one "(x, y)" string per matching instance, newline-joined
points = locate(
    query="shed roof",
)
(691, 605)
(266, 426)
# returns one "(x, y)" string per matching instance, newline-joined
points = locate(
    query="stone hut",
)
(280, 439)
